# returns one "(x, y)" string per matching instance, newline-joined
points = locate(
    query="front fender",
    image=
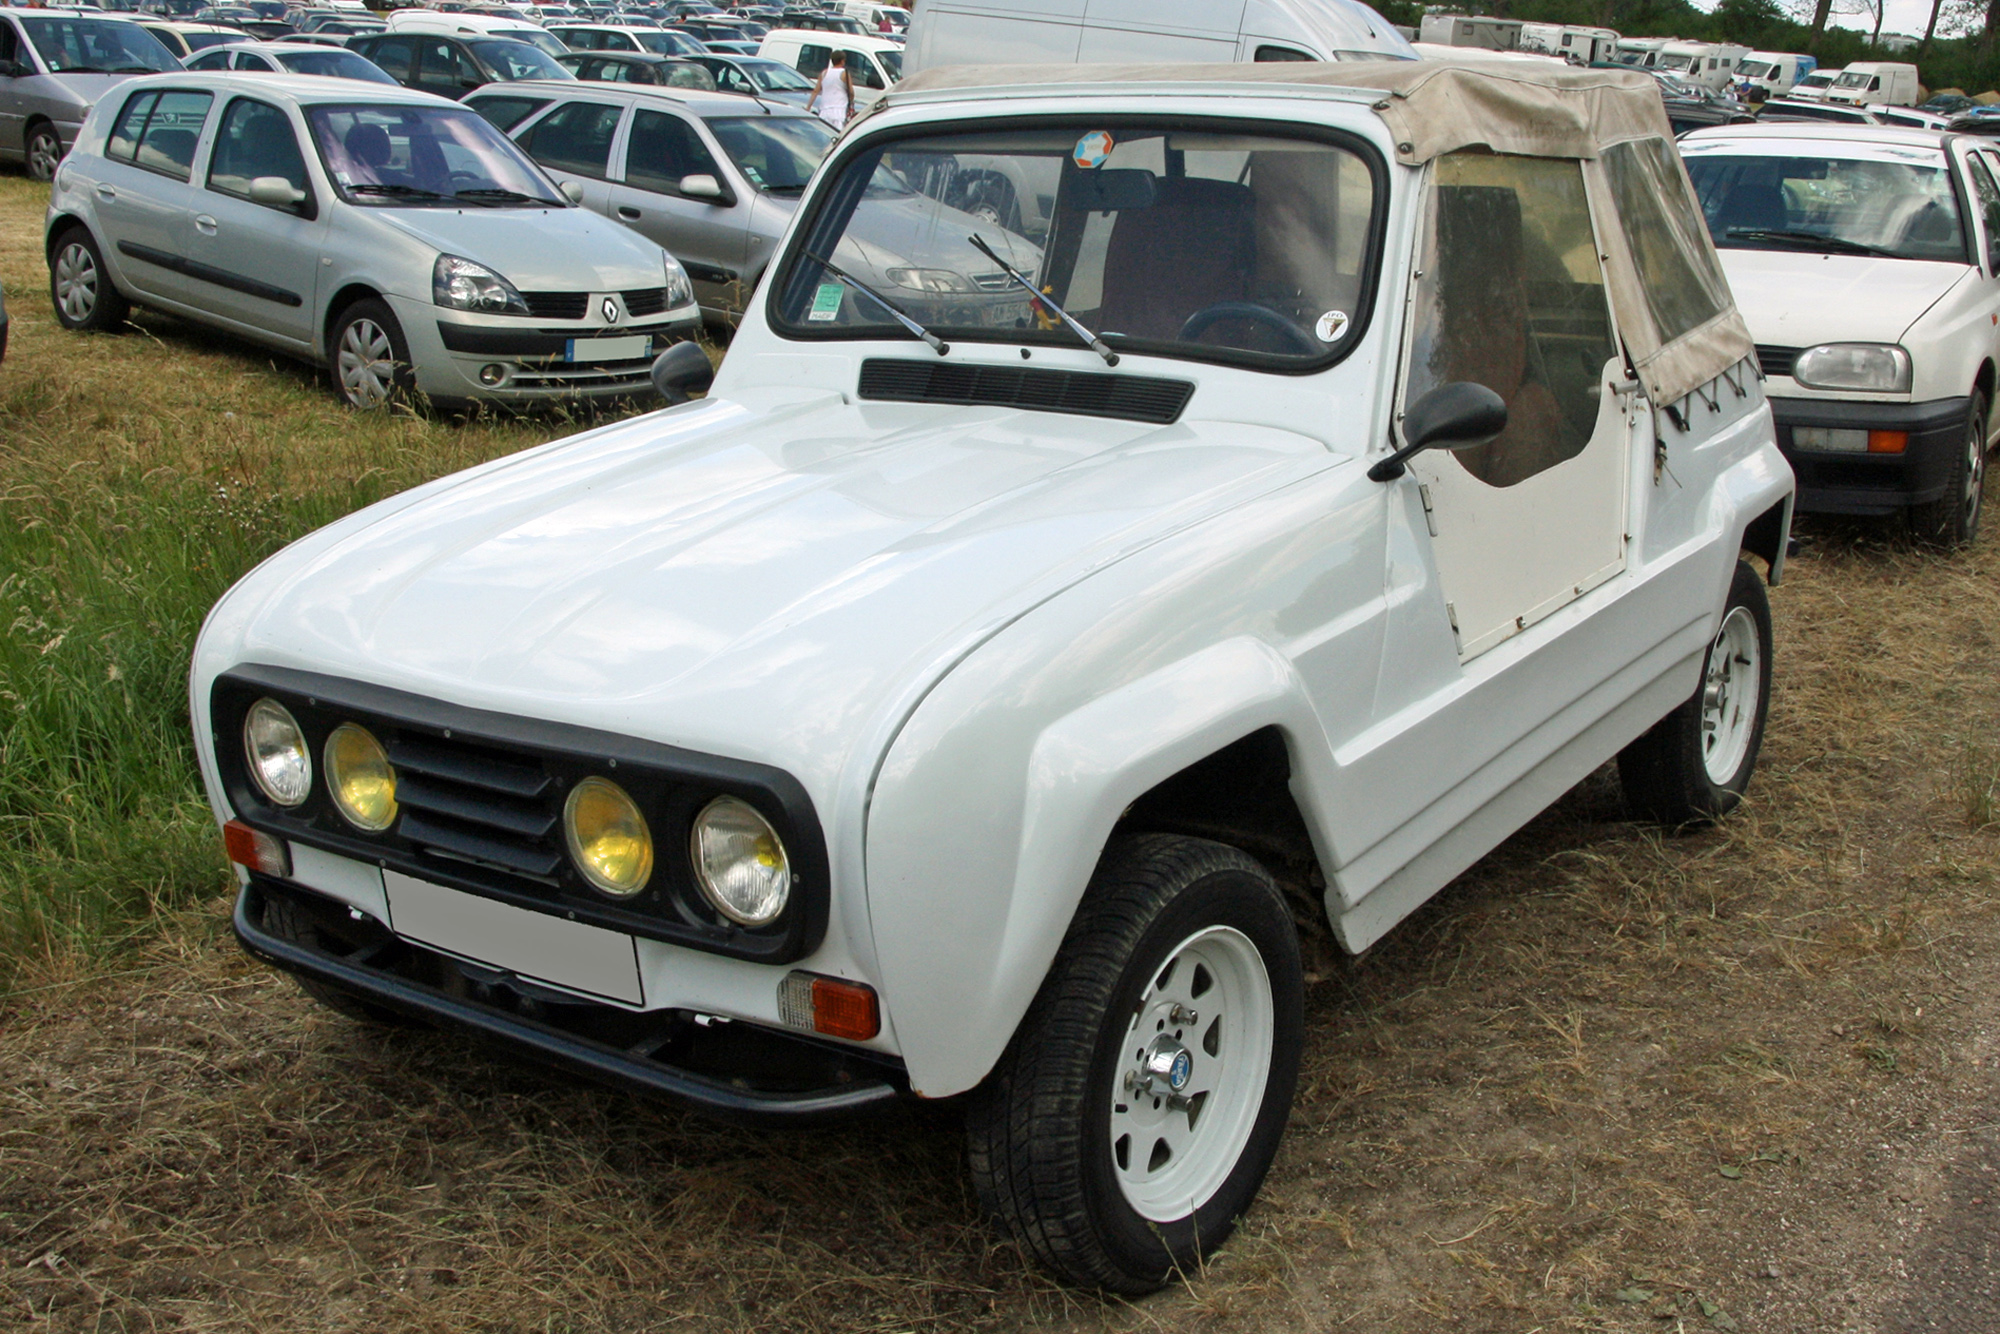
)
(980, 845)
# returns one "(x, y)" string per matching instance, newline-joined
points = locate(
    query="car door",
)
(574, 142)
(1512, 295)
(1983, 169)
(397, 57)
(257, 265)
(708, 236)
(13, 96)
(143, 198)
(445, 69)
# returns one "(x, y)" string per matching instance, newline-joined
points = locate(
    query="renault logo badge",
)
(610, 311)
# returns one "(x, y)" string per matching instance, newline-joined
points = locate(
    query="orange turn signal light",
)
(254, 848)
(1888, 442)
(829, 1005)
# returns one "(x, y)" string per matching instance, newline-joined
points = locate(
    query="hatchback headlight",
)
(930, 280)
(280, 764)
(607, 836)
(1871, 367)
(740, 862)
(360, 778)
(680, 291)
(464, 285)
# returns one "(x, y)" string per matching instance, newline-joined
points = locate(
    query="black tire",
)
(1952, 520)
(368, 371)
(80, 287)
(44, 152)
(1041, 1129)
(288, 921)
(1669, 773)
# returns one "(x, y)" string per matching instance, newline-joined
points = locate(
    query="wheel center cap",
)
(1170, 1063)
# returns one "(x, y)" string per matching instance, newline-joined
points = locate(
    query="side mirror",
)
(276, 192)
(13, 69)
(703, 186)
(1460, 415)
(573, 191)
(682, 371)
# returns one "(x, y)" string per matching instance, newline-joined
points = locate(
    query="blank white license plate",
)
(609, 349)
(535, 945)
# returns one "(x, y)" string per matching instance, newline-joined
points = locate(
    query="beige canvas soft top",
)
(1513, 105)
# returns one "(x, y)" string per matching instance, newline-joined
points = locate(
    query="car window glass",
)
(518, 60)
(167, 143)
(506, 112)
(731, 80)
(10, 43)
(1900, 209)
(775, 153)
(665, 148)
(97, 46)
(813, 60)
(1989, 198)
(669, 44)
(1683, 282)
(779, 78)
(395, 55)
(424, 157)
(124, 142)
(254, 139)
(1512, 297)
(862, 71)
(443, 69)
(688, 76)
(575, 138)
(1277, 53)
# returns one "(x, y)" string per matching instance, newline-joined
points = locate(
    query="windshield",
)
(97, 46)
(1675, 62)
(333, 63)
(664, 43)
(1904, 210)
(518, 60)
(545, 41)
(1218, 246)
(1678, 87)
(426, 157)
(1851, 81)
(1755, 69)
(891, 63)
(776, 154)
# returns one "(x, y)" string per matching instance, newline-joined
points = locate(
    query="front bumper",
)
(449, 349)
(742, 1073)
(1833, 482)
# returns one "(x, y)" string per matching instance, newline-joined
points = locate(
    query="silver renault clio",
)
(392, 236)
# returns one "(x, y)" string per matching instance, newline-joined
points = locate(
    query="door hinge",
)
(1451, 614)
(1430, 515)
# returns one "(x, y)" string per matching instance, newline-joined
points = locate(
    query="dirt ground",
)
(1608, 1080)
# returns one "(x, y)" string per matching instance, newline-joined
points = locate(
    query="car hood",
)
(537, 249)
(773, 585)
(84, 88)
(1800, 299)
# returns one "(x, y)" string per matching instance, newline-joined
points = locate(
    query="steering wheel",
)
(1198, 324)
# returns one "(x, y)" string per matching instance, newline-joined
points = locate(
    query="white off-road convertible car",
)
(931, 709)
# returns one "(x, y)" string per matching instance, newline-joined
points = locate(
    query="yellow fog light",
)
(740, 862)
(608, 838)
(360, 777)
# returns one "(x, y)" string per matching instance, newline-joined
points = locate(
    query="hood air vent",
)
(1139, 398)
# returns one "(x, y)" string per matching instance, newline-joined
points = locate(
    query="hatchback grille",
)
(1085, 393)
(556, 305)
(992, 282)
(645, 301)
(1776, 360)
(469, 804)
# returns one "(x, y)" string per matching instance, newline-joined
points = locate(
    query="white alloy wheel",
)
(1729, 695)
(366, 361)
(1191, 1076)
(77, 282)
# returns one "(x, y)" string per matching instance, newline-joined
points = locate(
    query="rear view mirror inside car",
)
(1110, 190)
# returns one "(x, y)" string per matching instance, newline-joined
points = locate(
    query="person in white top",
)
(834, 98)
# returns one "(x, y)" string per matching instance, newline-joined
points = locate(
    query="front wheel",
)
(1134, 1115)
(370, 360)
(1695, 763)
(45, 152)
(1952, 520)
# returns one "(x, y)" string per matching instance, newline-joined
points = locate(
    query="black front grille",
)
(464, 803)
(557, 305)
(1776, 360)
(645, 301)
(1084, 393)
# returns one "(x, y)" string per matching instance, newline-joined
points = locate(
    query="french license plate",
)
(608, 349)
(535, 945)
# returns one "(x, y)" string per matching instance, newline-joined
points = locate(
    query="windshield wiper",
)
(1091, 340)
(1839, 243)
(393, 191)
(83, 69)
(499, 195)
(938, 345)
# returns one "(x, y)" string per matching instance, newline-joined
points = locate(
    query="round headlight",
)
(359, 776)
(608, 838)
(280, 764)
(739, 862)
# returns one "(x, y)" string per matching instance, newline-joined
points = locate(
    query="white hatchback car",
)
(394, 237)
(937, 707)
(1866, 262)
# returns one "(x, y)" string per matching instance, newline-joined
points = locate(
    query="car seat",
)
(1193, 246)
(1751, 207)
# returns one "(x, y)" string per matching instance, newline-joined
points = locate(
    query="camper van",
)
(1706, 64)
(1479, 32)
(1774, 71)
(1873, 82)
(1639, 52)
(1029, 32)
(1578, 46)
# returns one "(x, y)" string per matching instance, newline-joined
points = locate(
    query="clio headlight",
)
(1870, 367)
(680, 292)
(464, 285)
(280, 764)
(740, 862)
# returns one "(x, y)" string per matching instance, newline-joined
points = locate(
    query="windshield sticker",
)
(826, 303)
(1331, 326)
(1093, 148)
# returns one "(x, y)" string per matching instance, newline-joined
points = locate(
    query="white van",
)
(873, 63)
(1876, 82)
(1709, 65)
(1480, 32)
(873, 16)
(1030, 32)
(481, 25)
(1774, 71)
